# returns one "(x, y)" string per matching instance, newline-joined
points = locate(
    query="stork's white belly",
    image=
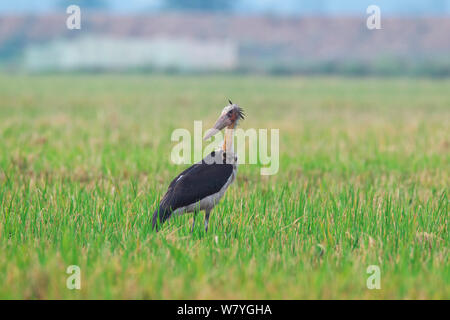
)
(210, 201)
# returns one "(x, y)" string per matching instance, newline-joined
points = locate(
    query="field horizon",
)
(363, 180)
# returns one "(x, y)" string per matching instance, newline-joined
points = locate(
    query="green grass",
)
(363, 180)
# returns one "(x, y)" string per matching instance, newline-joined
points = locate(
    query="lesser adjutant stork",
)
(201, 186)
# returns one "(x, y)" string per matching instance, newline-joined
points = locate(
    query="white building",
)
(100, 52)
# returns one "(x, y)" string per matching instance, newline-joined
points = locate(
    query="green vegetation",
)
(363, 180)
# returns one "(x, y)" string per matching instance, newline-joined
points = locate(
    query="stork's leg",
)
(207, 212)
(193, 222)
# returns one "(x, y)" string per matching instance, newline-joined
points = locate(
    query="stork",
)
(201, 186)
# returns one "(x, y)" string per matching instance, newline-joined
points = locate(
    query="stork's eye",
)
(229, 113)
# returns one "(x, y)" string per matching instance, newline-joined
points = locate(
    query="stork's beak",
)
(220, 124)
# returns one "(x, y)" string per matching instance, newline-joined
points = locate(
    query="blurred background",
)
(227, 36)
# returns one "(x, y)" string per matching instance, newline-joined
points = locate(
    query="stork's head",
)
(229, 118)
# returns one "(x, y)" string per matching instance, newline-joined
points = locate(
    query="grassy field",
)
(363, 180)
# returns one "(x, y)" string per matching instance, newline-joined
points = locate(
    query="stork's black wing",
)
(196, 183)
(192, 185)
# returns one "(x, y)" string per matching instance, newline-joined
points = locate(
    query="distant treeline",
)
(381, 67)
(394, 67)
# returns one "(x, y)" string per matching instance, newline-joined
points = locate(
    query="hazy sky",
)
(393, 7)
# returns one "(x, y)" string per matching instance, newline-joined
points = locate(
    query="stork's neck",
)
(228, 140)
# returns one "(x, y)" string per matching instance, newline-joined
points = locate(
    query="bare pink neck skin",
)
(228, 140)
